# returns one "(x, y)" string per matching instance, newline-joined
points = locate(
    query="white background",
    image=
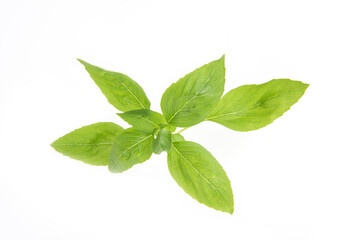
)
(297, 178)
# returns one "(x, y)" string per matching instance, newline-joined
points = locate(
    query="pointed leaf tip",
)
(190, 100)
(200, 175)
(120, 90)
(90, 144)
(250, 107)
(81, 61)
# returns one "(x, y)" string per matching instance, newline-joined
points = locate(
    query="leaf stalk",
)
(182, 130)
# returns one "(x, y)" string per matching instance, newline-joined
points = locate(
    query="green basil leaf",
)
(164, 137)
(130, 147)
(157, 149)
(144, 120)
(120, 90)
(200, 175)
(190, 100)
(251, 107)
(90, 144)
(162, 141)
(177, 137)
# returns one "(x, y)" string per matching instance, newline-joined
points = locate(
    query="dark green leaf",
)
(190, 100)
(164, 137)
(144, 120)
(157, 149)
(162, 141)
(200, 175)
(130, 147)
(120, 90)
(251, 107)
(90, 144)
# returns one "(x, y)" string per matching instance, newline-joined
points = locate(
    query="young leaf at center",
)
(162, 141)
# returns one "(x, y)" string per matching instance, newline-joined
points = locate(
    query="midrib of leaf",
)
(187, 102)
(198, 172)
(254, 106)
(134, 145)
(232, 113)
(145, 119)
(133, 95)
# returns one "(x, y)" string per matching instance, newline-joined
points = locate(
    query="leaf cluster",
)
(195, 98)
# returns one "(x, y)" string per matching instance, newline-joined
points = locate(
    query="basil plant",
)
(196, 97)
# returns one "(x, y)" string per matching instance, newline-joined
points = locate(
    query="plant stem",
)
(182, 130)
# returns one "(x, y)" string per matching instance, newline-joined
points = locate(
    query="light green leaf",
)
(90, 144)
(251, 107)
(120, 90)
(130, 147)
(162, 141)
(200, 175)
(177, 137)
(171, 128)
(144, 120)
(190, 100)
(167, 126)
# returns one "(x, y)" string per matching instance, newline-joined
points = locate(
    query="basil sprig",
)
(196, 97)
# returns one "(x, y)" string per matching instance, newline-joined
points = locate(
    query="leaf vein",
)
(145, 119)
(187, 102)
(199, 173)
(254, 106)
(134, 145)
(133, 95)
